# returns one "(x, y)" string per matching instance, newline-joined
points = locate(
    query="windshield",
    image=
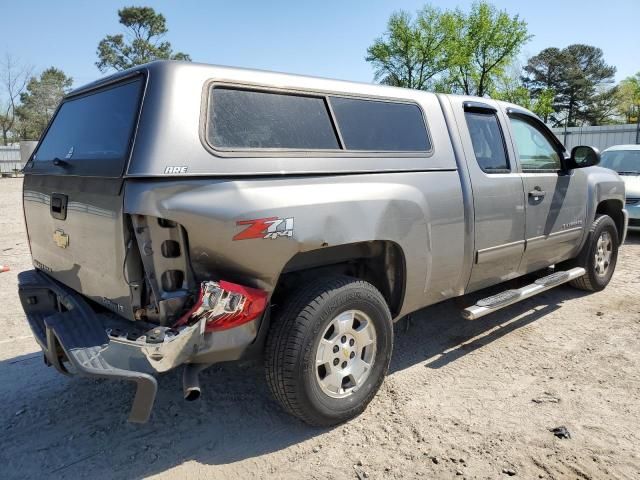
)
(96, 127)
(622, 161)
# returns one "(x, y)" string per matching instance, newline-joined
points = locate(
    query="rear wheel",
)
(599, 255)
(329, 350)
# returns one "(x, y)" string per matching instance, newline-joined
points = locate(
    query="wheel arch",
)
(381, 263)
(613, 208)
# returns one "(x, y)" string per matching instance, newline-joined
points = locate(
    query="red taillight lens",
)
(241, 305)
(225, 305)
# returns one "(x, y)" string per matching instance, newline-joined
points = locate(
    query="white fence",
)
(14, 158)
(600, 137)
(10, 160)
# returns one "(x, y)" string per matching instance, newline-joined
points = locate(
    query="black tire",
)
(295, 334)
(592, 281)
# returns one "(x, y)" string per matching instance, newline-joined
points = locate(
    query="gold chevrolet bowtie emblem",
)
(60, 238)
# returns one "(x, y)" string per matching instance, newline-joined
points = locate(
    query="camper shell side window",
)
(253, 119)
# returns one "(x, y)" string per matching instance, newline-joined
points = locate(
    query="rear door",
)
(497, 192)
(555, 200)
(73, 193)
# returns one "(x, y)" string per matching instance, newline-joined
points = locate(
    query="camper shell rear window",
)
(251, 119)
(91, 134)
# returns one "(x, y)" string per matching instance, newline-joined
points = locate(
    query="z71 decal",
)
(271, 228)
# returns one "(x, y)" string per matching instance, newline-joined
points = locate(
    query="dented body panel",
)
(326, 212)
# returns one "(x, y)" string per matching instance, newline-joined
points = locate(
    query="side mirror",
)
(584, 156)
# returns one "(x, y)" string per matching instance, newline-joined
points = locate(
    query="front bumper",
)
(96, 344)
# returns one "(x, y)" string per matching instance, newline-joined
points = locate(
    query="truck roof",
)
(174, 66)
(268, 76)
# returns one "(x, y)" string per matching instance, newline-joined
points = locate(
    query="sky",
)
(327, 38)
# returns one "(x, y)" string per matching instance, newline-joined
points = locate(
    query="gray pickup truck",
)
(181, 214)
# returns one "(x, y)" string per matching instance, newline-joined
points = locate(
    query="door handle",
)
(537, 193)
(58, 205)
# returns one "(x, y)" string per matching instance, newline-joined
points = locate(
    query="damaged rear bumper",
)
(78, 340)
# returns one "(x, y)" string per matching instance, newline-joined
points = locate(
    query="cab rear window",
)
(91, 134)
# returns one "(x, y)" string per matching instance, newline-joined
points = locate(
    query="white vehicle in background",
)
(625, 159)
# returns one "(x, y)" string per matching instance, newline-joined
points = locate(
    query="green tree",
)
(628, 98)
(543, 103)
(447, 50)
(544, 73)
(518, 95)
(509, 87)
(602, 109)
(40, 100)
(545, 70)
(587, 74)
(145, 30)
(487, 40)
(413, 51)
(579, 76)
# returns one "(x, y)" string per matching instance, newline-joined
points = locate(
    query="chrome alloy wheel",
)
(345, 354)
(604, 252)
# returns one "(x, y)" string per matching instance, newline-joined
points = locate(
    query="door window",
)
(536, 152)
(488, 142)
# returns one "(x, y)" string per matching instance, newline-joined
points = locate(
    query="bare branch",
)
(14, 77)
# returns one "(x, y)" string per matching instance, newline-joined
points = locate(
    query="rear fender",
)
(228, 223)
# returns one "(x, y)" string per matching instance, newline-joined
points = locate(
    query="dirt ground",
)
(463, 399)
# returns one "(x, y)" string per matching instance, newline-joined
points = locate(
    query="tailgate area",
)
(84, 246)
(73, 337)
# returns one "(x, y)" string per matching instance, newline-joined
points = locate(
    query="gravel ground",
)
(463, 399)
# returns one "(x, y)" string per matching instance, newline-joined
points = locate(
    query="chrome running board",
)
(494, 303)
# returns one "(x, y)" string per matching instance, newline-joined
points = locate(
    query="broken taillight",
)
(225, 305)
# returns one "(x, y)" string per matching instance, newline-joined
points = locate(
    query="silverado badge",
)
(60, 238)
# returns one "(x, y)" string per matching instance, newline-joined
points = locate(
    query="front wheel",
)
(328, 352)
(598, 256)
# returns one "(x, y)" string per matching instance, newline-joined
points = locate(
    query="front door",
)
(555, 200)
(498, 204)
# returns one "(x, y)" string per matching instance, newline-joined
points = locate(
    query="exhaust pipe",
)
(191, 381)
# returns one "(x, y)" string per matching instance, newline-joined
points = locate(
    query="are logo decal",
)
(269, 228)
(177, 169)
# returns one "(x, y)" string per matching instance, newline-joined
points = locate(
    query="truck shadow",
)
(439, 335)
(68, 427)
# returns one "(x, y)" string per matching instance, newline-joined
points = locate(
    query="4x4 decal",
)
(271, 228)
